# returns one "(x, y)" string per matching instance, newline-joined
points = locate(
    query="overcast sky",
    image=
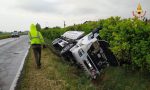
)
(19, 14)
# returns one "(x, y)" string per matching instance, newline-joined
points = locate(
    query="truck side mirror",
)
(96, 31)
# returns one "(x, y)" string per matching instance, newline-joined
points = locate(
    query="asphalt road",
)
(12, 53)
(5, 41)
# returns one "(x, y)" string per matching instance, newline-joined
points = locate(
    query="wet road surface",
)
(5, 41)
(12, 54)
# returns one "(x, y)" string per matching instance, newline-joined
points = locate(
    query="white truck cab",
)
(89, 51)
(15, 34)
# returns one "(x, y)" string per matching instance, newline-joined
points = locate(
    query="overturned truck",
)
(89, 51)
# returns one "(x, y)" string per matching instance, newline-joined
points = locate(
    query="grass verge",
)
(56, 74)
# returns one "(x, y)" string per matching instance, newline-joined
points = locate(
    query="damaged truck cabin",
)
(89, 51)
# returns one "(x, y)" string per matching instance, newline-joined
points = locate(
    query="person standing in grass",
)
(36, 41)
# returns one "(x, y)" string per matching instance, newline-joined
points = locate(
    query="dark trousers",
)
(37, 54)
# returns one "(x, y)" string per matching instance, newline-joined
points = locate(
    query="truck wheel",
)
(110, 57)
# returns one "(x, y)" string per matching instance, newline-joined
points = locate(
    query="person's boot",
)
(39, 67)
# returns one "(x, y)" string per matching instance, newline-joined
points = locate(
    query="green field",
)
(57, 74)
(6, 35)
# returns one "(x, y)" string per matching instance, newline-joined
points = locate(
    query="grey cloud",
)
(87, 7)
(63, 7)
(85, 11)
(81, 7)
(38, 6)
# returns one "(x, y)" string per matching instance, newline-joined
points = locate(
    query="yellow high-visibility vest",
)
(35, 36)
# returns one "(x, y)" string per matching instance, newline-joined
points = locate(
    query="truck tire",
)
(108, 53)
(110, 57)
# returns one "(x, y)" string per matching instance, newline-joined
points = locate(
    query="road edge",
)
(14, 83)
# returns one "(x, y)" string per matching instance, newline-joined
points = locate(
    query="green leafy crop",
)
(129, 38)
